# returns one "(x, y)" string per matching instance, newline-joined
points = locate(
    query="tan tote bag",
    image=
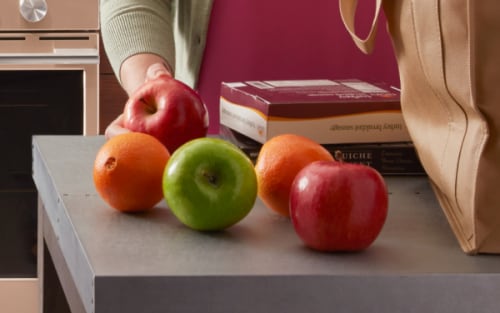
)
(448, 55)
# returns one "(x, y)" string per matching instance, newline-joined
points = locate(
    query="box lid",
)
(312, 98)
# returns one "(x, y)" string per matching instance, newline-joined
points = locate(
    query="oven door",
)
(41, 92)
(57, 52)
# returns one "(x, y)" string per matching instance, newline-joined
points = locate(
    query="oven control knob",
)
(33, 10)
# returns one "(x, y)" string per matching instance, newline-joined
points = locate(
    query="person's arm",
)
(136, 34)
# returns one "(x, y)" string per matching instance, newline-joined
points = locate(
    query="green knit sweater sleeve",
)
(129, 27)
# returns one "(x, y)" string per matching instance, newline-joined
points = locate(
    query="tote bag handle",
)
(348, 13)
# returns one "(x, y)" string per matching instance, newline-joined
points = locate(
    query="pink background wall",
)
(288, 39)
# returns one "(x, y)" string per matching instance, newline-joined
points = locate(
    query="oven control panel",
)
(33, 10)
(53, 15)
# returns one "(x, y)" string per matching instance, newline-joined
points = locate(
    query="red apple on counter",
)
(338, 206)
(167, 109)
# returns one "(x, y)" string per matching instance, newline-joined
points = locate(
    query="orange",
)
(128, 171)
(278, 162)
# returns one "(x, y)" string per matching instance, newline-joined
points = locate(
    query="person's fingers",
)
(157, 70)
(115, 128)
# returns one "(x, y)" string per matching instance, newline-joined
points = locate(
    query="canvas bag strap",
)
(348, 13)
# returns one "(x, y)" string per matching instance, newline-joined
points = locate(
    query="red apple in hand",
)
(337, 206)
(168, 110)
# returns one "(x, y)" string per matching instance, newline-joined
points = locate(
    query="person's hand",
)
(157, 70)
(154, 71)
(115, 127)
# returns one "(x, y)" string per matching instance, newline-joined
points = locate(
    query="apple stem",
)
(150, 109)
(338, 156)
(212, 179)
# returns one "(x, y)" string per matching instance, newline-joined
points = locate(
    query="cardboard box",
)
(327, 111)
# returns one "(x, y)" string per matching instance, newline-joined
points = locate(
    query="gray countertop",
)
(149, 262)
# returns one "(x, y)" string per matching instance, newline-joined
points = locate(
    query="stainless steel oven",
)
(49, 84)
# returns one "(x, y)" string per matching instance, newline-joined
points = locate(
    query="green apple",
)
(209, 184)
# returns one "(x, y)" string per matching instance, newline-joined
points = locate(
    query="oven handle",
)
(57, 56)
